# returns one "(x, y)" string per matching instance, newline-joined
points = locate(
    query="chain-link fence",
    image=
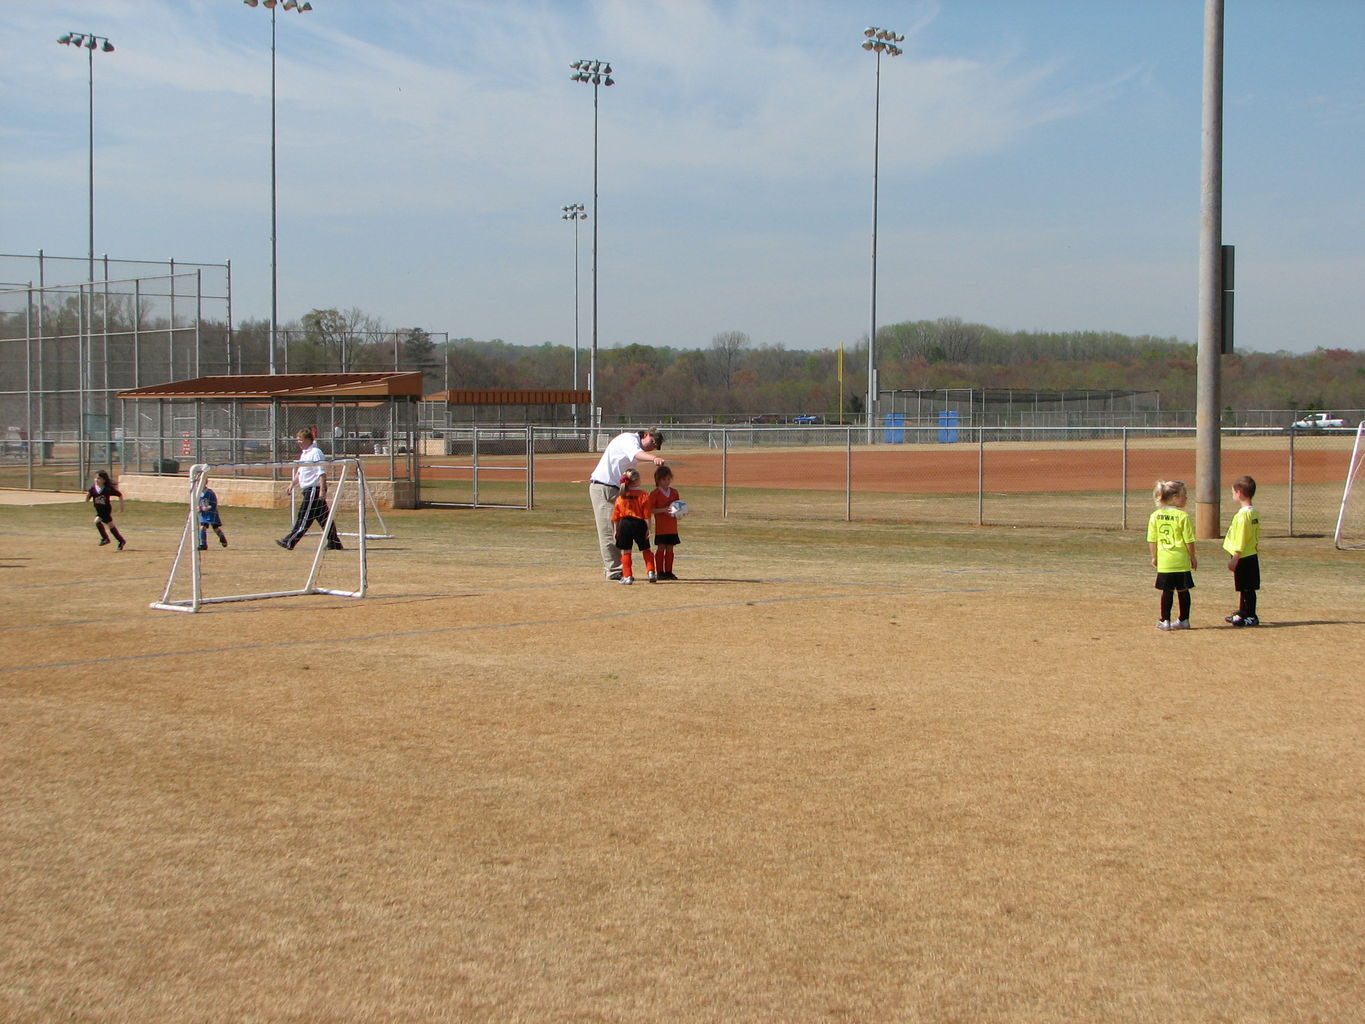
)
(1080, 478)
(66, 350)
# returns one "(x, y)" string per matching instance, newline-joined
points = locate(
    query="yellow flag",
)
(841, 364)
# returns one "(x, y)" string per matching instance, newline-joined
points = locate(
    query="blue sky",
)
(1039, 161)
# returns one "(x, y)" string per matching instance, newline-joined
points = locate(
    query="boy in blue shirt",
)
(208, 518)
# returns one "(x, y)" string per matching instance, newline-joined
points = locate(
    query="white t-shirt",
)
(619, 457)
(312, 469)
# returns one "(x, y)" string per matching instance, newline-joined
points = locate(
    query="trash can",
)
(168, 466)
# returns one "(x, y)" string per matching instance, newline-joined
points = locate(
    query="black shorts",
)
(104, 513)
(1175, 580)
(632, 531)
(1247, 575)
(669, 540)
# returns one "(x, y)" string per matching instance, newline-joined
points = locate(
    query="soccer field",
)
(871, 772)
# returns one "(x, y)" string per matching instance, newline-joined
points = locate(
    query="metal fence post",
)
(980, 476)
(1123, 489)
(724, 472)
(1291, 481)
(848, 475)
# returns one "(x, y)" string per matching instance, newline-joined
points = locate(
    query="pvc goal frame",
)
(350, 473)
(1353, 477)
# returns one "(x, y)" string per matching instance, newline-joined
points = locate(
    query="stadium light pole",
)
(594, 73)
(876, 41)
(575, 213)
(89, 42)
(300, 8)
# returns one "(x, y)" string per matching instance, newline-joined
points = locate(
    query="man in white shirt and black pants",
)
(310, 477)
(633, 448)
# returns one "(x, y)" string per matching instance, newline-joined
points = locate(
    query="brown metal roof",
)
(287, 387)
(511, 396)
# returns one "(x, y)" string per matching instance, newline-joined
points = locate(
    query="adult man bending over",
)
(633, 448)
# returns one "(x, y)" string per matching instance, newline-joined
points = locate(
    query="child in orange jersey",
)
(661, 500)
(630, 513)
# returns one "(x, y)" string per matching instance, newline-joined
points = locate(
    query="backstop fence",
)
(1083, 478)
(67, 349)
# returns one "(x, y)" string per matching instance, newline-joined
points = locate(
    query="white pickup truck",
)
(1318, 421)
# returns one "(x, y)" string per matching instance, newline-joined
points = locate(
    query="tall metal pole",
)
(274, 210)
(90, 82)
(877, 41)
(574, 212)
(593, 415)
(1208, 452)
(89, 41)
(299, 8)
(594, 73)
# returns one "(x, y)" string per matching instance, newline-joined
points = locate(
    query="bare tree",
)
(726, 350)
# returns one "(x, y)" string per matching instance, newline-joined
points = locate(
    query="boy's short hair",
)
(1245, 485)
(305, 435)
(655, 433)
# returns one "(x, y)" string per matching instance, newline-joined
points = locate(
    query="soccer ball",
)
(678, 509)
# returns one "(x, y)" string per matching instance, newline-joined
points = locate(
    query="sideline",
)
(13, 497)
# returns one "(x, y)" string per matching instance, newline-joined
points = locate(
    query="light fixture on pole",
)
(575, 213)
(89, 42)
(877, 41)
(300, 8)
(594, 73)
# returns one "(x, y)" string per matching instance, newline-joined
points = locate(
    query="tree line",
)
(733, 377)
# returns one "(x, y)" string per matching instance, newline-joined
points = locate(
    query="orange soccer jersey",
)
(659, 501)
(631, 503)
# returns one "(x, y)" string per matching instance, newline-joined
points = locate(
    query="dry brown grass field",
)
(879, 772)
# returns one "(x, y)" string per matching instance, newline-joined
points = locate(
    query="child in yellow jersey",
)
(1242, 544)
(1170, 533)
(630, 513)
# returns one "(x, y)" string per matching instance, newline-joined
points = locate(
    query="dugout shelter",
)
(245, 419)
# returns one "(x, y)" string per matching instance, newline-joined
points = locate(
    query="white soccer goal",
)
(252, 557)
(374, 518)
(1350, 532)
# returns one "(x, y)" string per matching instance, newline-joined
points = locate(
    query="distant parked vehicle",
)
(808, 418)
(1318, 421)
(769, 417)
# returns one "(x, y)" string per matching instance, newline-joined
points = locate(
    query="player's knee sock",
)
(1184, 597)
(114, 530)
(1167, 599)
(100, 526)
(203, 538)
(649, 561)
(625, 565)
(668, 559)
(1248, 604)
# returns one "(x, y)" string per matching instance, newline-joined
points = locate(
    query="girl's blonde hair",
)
(1165, 490)
(629, 479)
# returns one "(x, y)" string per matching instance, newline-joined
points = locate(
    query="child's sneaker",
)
(1232, 618)
(1164, 625)
(121, 543)
(653, 576)
(203, 547)
(627, 580)
(222, 541)
(1181, 624)
(103, 541)
(1236, 620)
(1251, 620)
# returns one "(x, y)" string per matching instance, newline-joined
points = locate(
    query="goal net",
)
(242, 558)
(1350, 532)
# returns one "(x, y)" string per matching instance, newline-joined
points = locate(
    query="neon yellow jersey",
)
(1244, 533)
(1170, 529)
